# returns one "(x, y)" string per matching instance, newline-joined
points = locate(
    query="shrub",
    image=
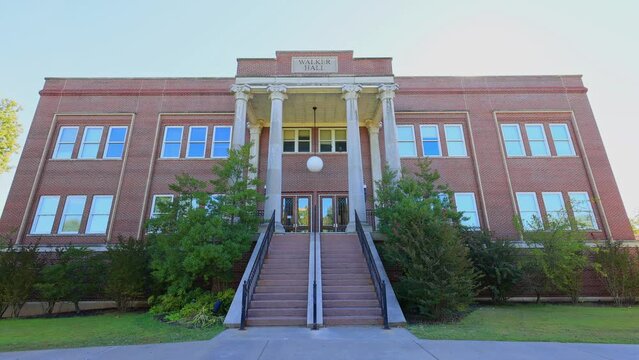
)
(495, 261)
(127, 275)
(83, 274)
(424, 240)
(19, 268)
(619, 269)
(51, 284)
(200, 313)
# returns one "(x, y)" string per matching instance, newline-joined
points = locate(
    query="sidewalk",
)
(335, 344)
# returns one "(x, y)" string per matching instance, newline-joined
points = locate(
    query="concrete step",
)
(283, 265)
(276, 312)
(280, 296)
(352, 311)
(272, 304)
(348, 303)
(284, 271)
(301, 282)
(369, 295)
(346, 282)
(281, 289)
(345, 276)
(347, 289)
(339, 270)
(274, 276)
(344, 265)
(353, 320)
(277, 321)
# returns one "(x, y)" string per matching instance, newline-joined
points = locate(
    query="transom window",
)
(512, 140)
(554, 204)
(99, 214)
(529, 210)
(297, 140)
(537, 140)
(561, 139)
(332, 140)
(466, 204)
(90, 142)
(582, 210)
(430, 140)
(45, 214)
(455, 142)
(115, 142)
(197, 142)
(72, 214)
(406, 141)
(172, 143)
(221, 141)
(66, 142)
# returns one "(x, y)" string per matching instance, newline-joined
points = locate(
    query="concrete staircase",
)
(348, 295)
(281, 294)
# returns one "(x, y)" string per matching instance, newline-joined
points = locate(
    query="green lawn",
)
(561, 323)
(94, 330)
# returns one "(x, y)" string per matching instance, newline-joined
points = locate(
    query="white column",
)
(242, 95)
(386, 95)
(255, 130)
(274, 164)
(376, 159)
(356, 200)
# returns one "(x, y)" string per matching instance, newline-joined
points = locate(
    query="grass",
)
(559, 323)
(94, 330)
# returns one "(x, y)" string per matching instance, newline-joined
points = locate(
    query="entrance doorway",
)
(296, 213)
(333, 213)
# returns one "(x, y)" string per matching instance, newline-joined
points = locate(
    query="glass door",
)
(334, 213)
(296, 213)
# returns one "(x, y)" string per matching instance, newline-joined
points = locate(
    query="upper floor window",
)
(332, 140)
(512, 140)
(66, 142)
(221, 141)
(466, 204)
(90, 142)
(430, 140)
(172, 143)
(297, 140)
(554, 204)
(99, 214)
(528, 210)
(72, 214)
(582, 210)
(115, 142)
(455, 142)
(561, 139)
(537, 140)
(197, 142)
(160, 201)
(45, 214)
(406, 141)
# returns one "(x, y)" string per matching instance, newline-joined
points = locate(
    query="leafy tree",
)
(424, 240)
(634, 222)
(127, 276)
(50, 286)
(618, 266)
(83, 272)
(197, 238)
(9, 131)
(19, 267)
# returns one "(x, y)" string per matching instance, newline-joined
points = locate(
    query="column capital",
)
(351, 91)
(256, 125)
(277, 92)
(387, 91)
(241, 91)
(373, 126)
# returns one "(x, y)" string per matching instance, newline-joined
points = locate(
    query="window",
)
(561, 139)
(430, 140)
(332, 140)
(455, 140)
(512, 140)
(582, 210)
(99, 214)
(160, 201)
(115, 142)
(554, 204)
(537, 140)
(443, 199)
(406, 141)
(172, 144)
(297, 140)
(66, 142)
(45, 214)
(528, 210)
(465, 203)
(197, 142)
(72, 214)
(221, 141)
(90, 142)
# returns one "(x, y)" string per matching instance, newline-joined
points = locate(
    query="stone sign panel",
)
(314, 64)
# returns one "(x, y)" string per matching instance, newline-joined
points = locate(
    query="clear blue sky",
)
(598, 39)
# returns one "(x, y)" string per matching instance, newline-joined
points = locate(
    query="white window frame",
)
(536, 211)
(93, 213)
(213, 142)
(564, 213)
(333, 140)
(412, 129)
(58, 142)
(164, 142)
(593, 219)
(66, 214)
(520, 140)
(38, 214)
(474, 211)
(297, 140)
(463, 139)
(439, 142)
(154, 214)
(84, 142)
(530, 141)
(189, 142)
(109, 142)
(569, 140)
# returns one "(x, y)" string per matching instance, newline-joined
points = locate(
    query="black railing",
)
(370, 218)
(249, 284)
(315, 235)
(380, 285)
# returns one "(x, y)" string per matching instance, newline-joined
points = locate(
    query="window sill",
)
(101, 159)
(193, 158)
(66, 235)
(543, 157)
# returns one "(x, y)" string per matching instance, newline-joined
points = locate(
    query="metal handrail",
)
(249, 284)
(314, 269)
(379, 284)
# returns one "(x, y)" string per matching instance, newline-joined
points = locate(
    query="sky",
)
(597, 39)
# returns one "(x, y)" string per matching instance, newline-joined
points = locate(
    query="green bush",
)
(495, 261)
(19, 268)
(127, 276)
(83, 274)
(50, 287)
(619, 269)
(200, 313)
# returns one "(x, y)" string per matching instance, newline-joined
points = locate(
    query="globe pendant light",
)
(314, 163)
